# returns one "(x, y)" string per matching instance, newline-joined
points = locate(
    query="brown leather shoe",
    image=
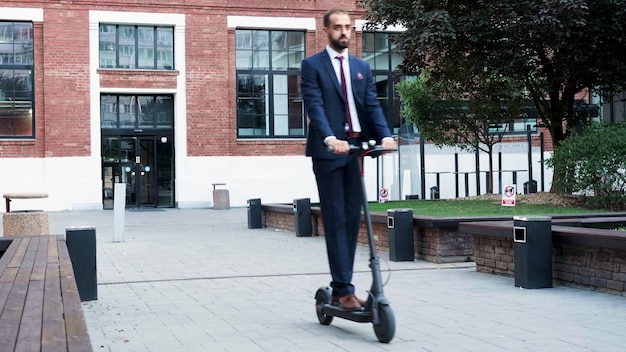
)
(362, 302)
(349, 302)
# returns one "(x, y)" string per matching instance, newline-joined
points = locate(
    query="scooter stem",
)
(377, 287)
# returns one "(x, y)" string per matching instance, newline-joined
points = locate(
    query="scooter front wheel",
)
(322, 297)
(386, 326)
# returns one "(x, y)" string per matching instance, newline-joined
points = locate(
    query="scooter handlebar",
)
(366, 148)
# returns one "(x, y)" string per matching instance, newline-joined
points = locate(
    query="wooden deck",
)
(40, 307)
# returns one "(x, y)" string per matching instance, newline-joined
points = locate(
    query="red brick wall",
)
(443, 245)
(286, 221)
(601, 269)
(437, 245)
(66, 116)
(62, 104)
(138, 79)
(494, 255)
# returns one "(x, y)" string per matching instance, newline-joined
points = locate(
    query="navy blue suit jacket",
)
(324, 105)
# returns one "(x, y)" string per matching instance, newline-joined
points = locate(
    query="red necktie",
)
(344, 90)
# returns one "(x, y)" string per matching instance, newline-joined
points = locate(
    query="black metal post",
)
(422, 168)
(541, 150)
(456, 173)
(499, 172)
(477, 169)
(530, 154)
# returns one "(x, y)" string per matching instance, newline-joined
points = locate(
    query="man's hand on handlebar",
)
(389, 143)
(338, 146)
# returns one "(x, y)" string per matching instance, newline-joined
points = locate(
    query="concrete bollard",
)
(221, 197)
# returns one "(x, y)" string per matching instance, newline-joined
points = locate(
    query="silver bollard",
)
(119, 209)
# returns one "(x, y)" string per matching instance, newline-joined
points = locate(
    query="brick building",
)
(168, 97)
(148, 92)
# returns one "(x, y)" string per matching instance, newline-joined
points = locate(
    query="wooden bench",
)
(40, 307)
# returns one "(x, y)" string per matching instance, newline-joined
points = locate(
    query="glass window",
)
(16, 80)
(136, 111)
(142, 47)
(165, 48)
(383, 56)
(269, 101)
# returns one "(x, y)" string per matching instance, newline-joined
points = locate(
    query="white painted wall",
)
(71, 183)
(74, 183)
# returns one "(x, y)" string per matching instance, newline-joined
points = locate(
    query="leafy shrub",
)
(593, 164)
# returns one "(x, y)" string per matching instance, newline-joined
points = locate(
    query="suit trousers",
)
(339, 188)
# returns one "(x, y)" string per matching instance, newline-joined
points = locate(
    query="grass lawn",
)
(476, 207)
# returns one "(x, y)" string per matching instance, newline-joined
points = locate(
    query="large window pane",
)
(129, 46)
(380, 52)
(7, 54)
(280, 51)
(382, 85)
(260, 47)
(16, 108)
(261, 60)
(396, 58)
(252, 110)
(16, 80)
(244, 59)
(297, 121)
(243, 44)
(145, 45)
(165, 48)
(108, 46)
(260, 40)
(108, 111)
(145, 111)
(164, 109)
(126, 107)
(136, 111)
(287, 50)
(268, 100)
(23, 40)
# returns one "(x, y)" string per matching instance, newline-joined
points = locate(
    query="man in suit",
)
(338, 122)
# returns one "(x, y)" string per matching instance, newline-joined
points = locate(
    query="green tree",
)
(549, 50)
(447, 115)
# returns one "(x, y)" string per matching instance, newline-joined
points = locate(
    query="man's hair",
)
(333, 11)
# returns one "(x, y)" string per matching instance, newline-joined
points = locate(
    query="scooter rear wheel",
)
(321, 298)
(386, 326)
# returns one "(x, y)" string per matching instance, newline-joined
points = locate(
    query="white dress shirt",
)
(356, 126)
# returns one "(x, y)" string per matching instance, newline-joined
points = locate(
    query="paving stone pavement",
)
(200, 280)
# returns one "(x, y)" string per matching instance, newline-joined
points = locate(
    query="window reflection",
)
(136, 111)
(16, 80)
(381, 53)
(143, 47)
(269, 101)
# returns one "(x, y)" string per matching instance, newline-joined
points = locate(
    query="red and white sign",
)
(383, 195)
(508, 196)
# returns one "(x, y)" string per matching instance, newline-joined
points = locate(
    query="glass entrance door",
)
(144, 164)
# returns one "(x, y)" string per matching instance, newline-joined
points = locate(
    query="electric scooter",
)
(377, 310)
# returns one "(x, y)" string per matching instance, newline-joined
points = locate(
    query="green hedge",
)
(593, 164)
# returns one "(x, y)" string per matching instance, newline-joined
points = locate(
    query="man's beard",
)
(341, 43)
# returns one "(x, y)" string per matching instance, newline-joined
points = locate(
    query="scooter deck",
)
(359, 315)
